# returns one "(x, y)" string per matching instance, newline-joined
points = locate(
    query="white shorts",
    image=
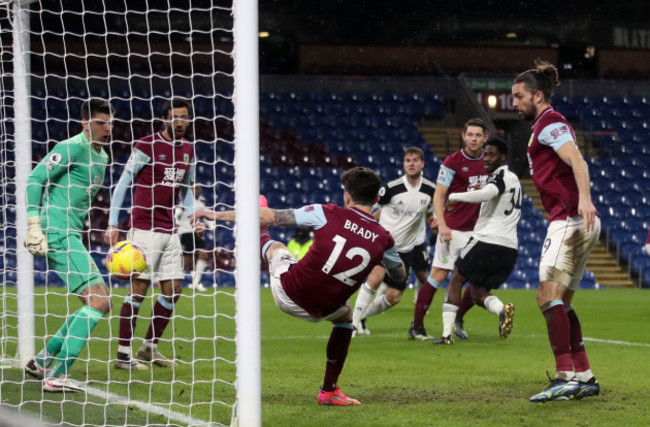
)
(446, 253)
(164, 254)
(566, 249)
(279, 265)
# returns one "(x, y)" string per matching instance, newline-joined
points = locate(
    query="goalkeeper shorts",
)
(70, 260)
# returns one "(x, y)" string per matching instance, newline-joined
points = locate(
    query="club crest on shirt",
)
(186, 158)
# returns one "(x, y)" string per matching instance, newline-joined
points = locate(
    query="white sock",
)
(584, 376)
(201, 264)
(126, 349)
(149, 343)
(382, 289)
(448, 318)
(364, 298)
(564, 375)
(493, 305)
(417, 287)
(378, 306)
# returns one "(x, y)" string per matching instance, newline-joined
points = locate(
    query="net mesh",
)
(137, 55)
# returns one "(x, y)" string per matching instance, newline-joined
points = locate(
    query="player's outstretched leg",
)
(337, 352)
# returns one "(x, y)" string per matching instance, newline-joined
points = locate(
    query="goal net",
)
(137, 55)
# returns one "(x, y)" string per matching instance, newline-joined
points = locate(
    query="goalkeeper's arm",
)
(48, 170)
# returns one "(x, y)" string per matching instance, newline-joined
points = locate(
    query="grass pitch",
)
(481, 381)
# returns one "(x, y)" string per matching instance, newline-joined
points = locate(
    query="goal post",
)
(22, 132)
(246, 99)
(55, 55)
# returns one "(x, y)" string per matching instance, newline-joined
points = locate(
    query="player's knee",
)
(393, 297)
(103, 304)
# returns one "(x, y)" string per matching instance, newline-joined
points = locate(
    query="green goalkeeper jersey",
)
(63, 185)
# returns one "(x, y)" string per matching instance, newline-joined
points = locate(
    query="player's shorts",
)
(163, 252)
(70, 260)
(279, 265)
(417, 258)
(191, 242)
(566, 249)
(486, 265)
(446, 253)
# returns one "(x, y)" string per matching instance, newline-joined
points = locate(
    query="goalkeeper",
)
(60, 191)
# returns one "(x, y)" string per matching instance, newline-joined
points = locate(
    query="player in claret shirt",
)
(348, 244)
(161, 169)
(562, 179)
(490, 256)
(461, 171)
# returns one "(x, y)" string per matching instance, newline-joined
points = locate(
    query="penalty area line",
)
(147, 407)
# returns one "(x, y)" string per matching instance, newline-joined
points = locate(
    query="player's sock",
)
(493, 304)
(416, 289)
(425, 297)
(379, 305)
(364, 299)
(559, 336)
(53, 347)
(160, 315)
(265, 242)
(449, 312)
(337, 351)
(128, 319)
(79, 331)
(201, 264)
(578, 352)
(381, 290)
(465, 303)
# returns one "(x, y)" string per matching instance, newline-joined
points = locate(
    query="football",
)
(125, 260)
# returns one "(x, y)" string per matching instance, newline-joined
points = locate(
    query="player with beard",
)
(161, 169)
(562, 179)
(461, 171)
(348, 244)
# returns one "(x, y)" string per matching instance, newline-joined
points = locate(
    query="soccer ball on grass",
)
(125, 260)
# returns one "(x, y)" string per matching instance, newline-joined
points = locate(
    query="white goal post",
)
(55, 55)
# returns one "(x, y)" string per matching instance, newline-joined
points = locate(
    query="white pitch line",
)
(147, 407)
(635, 344)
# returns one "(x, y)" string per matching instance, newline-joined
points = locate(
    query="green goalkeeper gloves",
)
(35, 242)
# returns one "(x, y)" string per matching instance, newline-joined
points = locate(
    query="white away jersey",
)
(403, 211)
(500, 208)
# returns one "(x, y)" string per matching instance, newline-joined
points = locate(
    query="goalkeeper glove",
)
(35, 242)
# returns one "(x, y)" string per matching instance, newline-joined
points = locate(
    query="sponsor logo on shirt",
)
(557, 132)
(173, 176)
